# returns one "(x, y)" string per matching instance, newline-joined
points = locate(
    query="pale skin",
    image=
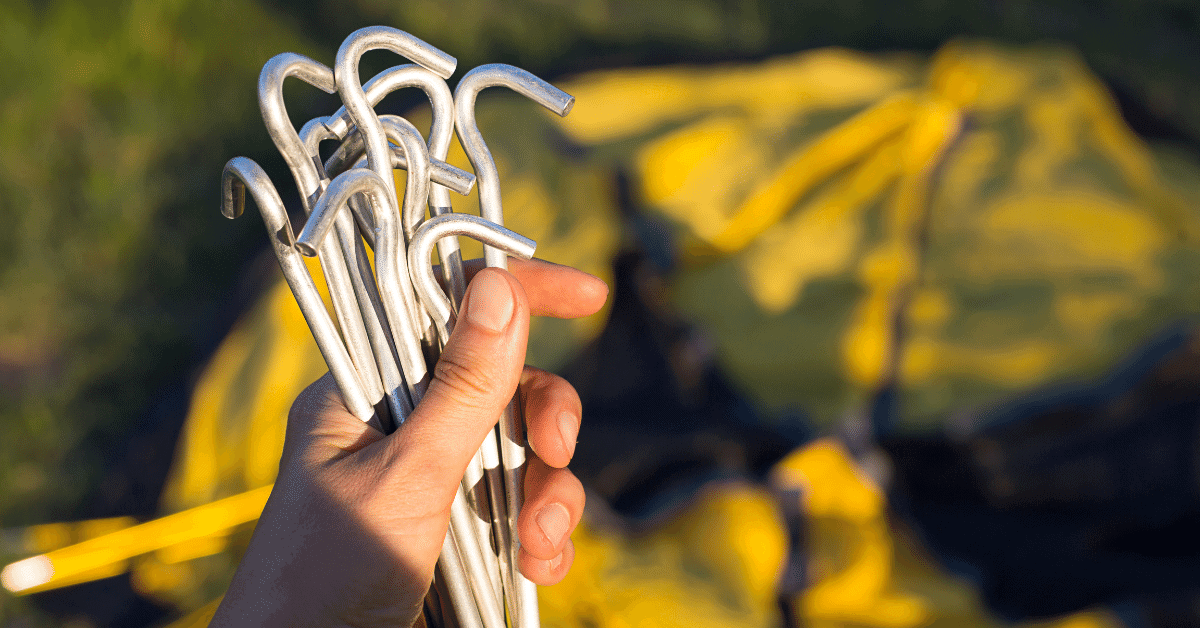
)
(355, 523)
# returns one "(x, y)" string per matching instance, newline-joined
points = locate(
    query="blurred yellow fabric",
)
(716, 562)
(992, 199)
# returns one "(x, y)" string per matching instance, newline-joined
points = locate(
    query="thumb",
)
(473, 380)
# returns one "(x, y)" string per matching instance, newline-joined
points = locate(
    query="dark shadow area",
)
(108, 602)
(661, 417)
(1071, 497)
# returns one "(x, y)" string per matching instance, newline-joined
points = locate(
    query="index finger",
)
(553, 290)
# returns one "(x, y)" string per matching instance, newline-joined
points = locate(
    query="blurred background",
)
(902, 330)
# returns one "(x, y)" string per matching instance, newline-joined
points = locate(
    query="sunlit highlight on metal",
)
(511, 428)
(241, 174)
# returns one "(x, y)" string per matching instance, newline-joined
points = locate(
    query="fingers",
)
(552, 411)
(547, 572)
(553, 290)
(554, 497)
(554, 502)
(473, 381)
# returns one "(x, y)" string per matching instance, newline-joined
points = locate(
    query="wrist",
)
(272, 586)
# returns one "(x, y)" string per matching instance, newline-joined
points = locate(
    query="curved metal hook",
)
(391, 265)
(476, 560)
(312, 134)
(410, 142)
(415, 195)
(274, 113)
(361, 277)
(351, 154)
(240, 174)
(443, 174)
(522, 82)
(441, 127)
(440, 131)
(512, 439)
(438, 227)
(351, 90)
(404, 44)
(440, 98)
(310, 181)
(406, 136)
(352, 150)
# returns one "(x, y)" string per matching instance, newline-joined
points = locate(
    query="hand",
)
(355, 523)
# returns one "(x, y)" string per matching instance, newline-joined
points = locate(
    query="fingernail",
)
(491, 302)
(566, 430)
(554, 521)
(553, 563)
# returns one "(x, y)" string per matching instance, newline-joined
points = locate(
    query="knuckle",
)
(551, 384)
(530, 375)
(543, 391)
(573, 485)
(470, 383)
(567, 486)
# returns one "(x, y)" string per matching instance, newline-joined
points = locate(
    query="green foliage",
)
(113, 252)
(1146, 48)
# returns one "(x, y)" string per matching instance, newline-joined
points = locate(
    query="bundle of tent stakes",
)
(393, 320)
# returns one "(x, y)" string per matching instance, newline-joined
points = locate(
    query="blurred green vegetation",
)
(111, 256)
(119, 277)
(1145, 49)
(114, 266)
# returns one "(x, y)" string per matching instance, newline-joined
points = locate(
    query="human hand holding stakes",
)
(353, 528)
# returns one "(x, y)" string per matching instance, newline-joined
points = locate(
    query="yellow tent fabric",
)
(990, 198)
(716, 563)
